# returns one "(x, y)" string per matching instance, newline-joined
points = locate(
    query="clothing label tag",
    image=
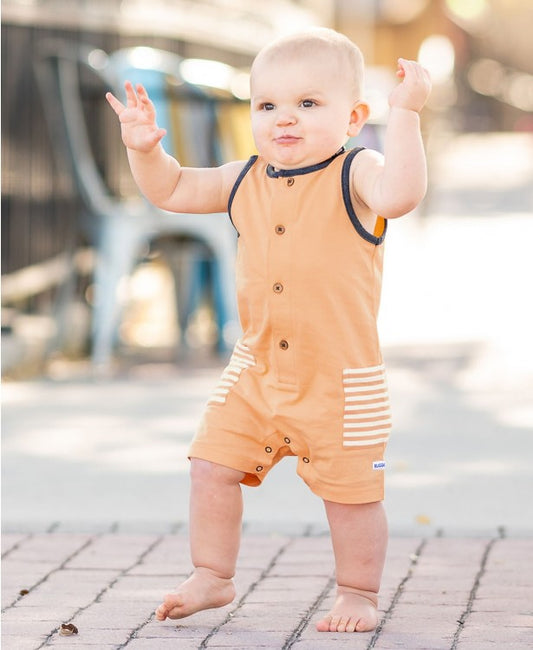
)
(378, 464)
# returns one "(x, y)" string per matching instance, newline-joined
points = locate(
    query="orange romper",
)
(307, 377)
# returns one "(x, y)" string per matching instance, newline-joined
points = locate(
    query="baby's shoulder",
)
(364, 158)
(231, 172)
(364, 169)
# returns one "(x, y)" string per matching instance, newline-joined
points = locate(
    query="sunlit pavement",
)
(438, 593)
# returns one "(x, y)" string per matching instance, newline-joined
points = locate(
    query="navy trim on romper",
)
(272, 172)
(345, 179)
(235, 187)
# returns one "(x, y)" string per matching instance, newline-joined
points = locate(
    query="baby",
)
(306, 378)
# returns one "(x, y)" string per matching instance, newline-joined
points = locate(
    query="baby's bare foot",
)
(202, 590)
(354, 610)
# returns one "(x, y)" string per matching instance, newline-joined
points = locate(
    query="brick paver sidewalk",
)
(438, 593)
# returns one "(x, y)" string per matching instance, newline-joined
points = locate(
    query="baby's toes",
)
(343, 624)
(323, 625)
(351, 625)
(161, 612)
(364, 625)
(335, 624)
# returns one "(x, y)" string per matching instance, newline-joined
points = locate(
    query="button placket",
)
(280, 269)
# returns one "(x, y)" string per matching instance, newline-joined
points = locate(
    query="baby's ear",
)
(358, 117)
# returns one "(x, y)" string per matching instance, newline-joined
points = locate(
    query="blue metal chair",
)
(118, 228)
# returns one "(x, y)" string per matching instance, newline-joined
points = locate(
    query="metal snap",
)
(290, 182)
(305, 459)
(283, 344)
(278, 287)
(268, 450)
(280, 229)
(259, 468)
(287, 440)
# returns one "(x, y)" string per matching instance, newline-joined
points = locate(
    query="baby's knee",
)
(204, 471)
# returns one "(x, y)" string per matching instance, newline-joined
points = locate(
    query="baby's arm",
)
(158, 175)
(394, 185)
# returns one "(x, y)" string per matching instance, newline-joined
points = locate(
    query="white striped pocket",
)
(367, 418)
(241, 359)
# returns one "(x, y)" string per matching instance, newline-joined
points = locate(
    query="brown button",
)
(259, 468)
(283, 344)
(278, 287)
(280, 229)
(268, 450)
(287, 440)
(305, 459)
(290, 182)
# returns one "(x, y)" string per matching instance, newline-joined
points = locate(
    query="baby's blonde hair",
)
(323, 40)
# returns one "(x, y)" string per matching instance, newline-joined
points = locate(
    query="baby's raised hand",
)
(137, 119)
(414, 89)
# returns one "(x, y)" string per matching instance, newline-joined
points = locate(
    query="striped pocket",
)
(367, 418)
(240, 360)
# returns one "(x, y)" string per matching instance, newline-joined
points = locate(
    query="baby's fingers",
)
(131, 97)
(116, 105)
(157, 136)
(406, 67)
(413, 70)
(145, 101)
(400, 71)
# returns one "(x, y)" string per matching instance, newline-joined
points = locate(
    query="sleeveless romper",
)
(306, 378)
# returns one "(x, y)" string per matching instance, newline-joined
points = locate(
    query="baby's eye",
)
(266, 106)
(308, 103)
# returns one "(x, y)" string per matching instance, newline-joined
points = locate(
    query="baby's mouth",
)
(286, 139)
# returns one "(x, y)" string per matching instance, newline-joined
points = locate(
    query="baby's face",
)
(301, 110)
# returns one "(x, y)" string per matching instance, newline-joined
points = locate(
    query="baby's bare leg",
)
(215, 529)
(359, 535)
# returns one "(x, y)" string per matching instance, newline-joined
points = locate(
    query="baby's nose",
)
(286, 117)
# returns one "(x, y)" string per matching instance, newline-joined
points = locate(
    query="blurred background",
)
(478, 129)
(96, 283)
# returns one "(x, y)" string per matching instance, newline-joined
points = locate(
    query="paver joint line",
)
(16, 546)
(297, 633)
(47, 576)
(397, 595)
(109, 586)
(468, 610)
(250, 589)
